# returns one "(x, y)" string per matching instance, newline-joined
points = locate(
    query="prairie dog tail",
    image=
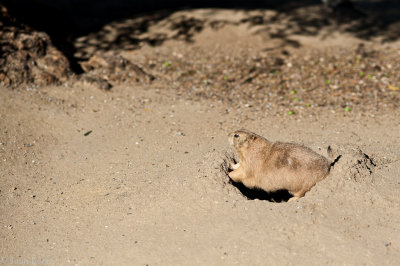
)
(332, 160)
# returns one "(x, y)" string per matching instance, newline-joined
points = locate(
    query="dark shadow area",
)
(252, 194)
(67, 20)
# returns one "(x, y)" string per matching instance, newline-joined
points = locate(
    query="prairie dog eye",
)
(236, 135)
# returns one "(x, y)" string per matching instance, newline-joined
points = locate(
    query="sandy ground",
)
(133, 176)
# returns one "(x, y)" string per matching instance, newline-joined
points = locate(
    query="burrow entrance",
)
(252, 194)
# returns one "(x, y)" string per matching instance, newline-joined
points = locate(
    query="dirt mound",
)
(357, 165)
(362, 166)
(102, 70)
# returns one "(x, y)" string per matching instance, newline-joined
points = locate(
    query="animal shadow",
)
(254, 193)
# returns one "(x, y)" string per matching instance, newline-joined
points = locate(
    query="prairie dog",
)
(273, 166)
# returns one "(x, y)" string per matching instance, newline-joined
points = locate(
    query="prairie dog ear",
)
(244, 140)
(248, 138)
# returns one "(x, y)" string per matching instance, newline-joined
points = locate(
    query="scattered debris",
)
(393, 88)
(105, 70)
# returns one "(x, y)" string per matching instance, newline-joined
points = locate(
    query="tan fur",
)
(275, 166)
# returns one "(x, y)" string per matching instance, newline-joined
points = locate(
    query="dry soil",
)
(132, 176)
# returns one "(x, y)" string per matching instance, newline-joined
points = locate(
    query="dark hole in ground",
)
(252, 194)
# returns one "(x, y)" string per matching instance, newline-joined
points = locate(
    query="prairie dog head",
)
(240, 139)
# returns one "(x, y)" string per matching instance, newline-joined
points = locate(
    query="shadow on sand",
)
(68, 20)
